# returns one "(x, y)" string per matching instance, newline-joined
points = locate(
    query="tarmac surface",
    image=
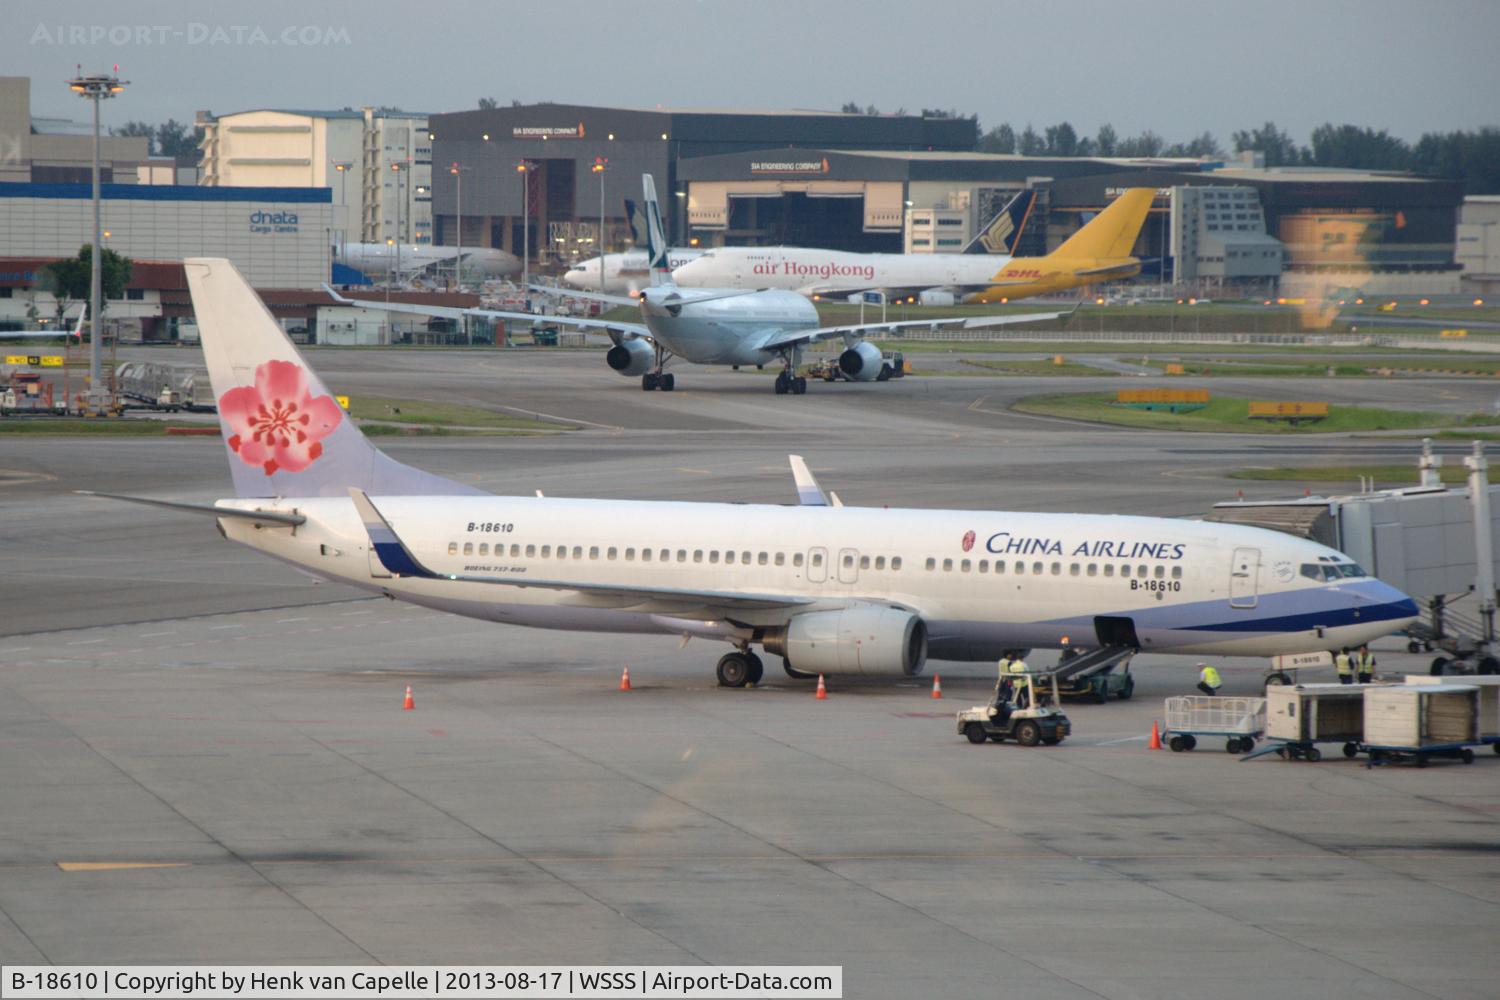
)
(173, 701)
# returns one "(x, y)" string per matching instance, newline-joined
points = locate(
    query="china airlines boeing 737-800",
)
(830, 589)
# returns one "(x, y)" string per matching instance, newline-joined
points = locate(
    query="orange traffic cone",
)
(408, 704)
(937, 685)
(822, 694)
(1155, 743)
(625, 679)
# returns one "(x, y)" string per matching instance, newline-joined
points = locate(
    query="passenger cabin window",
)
(562, 552)
(1093, 569)
(796, 559)
(546, 551)
(880, 562)
(848, 561)
(1073, 569)
(1125, 570)
(593, 552)
(817, 559)
(864, 562)
(895, 562)
(697, 555)
(1036, 569)
(984, 565)
(453, 548)
(578, 552)
(1057, 569)
(645, 555)
(947, 565)
(1177, 572)
(530, 551)
(515, 550)
(665, 555)
(745, 558)
(468, 548)
(1109, 569)
(1161, 573)
(964, 566)
(762, 559)
(999, 565)
(682, 555)
(780, 559)
(729, 557)
(713, 556)
(612, 553)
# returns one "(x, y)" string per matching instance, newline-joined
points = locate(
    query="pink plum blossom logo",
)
(968, 540)
(278, 423)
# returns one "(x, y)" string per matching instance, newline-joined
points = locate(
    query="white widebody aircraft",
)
(415, 258)
(935, 279)
(76, 332)
(716, 326)
(624, 273)
(830, 589)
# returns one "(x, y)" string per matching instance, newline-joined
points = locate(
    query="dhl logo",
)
(1019, 273)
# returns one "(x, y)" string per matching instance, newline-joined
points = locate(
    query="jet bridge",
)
(1425, 540)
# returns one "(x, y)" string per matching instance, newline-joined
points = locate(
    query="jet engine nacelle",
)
(861, 362)
(936, 297)
(866, 640)
(631, 357)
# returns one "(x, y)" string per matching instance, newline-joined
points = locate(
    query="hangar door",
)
(841, 215)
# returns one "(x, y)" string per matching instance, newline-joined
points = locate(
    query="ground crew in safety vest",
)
(1020, 682)
(1364, 664)
(1208, 680)
(1344, 664)
(1002, 682)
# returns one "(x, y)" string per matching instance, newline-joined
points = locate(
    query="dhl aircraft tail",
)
(1111, 233)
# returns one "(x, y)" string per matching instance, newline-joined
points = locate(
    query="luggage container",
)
(1416, 722)
(1240, 720)
(1304, 715)
(1489, 703)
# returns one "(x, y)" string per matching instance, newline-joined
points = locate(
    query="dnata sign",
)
(263, 221)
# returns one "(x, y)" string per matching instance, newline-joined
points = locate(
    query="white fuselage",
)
(624, 273)
(981, 581)
(381, 258)
(811, 271)
(726, 331)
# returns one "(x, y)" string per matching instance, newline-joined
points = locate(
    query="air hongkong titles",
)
(1004, 543)
(829, 270)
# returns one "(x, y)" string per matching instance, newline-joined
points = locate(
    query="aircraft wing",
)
(398, 559)
(629, 330)
(579, 293)
(850, 334)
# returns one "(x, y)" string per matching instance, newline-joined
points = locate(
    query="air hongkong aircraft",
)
(832, 590)
(715, 326)
(1100, 251)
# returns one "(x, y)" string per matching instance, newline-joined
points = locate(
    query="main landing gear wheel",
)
(757, 668)
(735, 670)
(666, 382)
(786, 382)
(650, 381)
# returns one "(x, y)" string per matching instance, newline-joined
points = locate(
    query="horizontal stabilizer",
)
(258, 516)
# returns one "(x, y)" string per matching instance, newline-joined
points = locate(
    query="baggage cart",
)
(1300, 716)
(1414, 723)
(1489, 703)
(1239, 720)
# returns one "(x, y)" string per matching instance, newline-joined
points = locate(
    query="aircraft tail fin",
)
(633, 217)
(1004, 231)
(285, 433)
(1111, 233)
(656, 239)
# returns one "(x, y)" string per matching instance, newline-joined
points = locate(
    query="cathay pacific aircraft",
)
(716, 326)
(829, 589)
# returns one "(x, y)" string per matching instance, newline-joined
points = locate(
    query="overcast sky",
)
(1177, 68)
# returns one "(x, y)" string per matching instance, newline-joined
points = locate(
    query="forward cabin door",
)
(1244, 570)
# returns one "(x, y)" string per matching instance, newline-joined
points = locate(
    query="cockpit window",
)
(1324, 572)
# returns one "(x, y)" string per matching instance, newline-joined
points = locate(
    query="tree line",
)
(1469, 156)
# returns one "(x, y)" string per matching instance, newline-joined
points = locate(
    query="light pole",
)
(96, 87)
(458, 260)
(601, 164)
(524, 168)
(343, 167)
(400, 195)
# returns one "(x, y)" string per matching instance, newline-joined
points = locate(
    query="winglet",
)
(809, 493)
(389, 549)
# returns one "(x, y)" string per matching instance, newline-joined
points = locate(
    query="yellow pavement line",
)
(114, 866)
